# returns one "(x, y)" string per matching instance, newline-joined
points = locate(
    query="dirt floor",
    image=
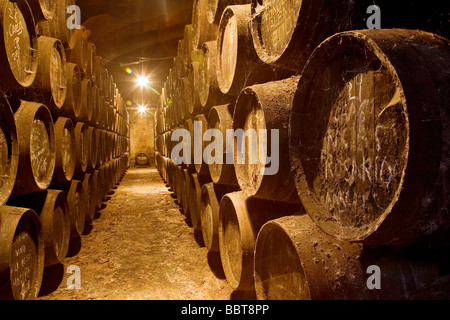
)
(141, 248)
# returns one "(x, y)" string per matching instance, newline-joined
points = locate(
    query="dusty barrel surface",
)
(295, 260)
(285, 33)
(240, 219)
(9, 150)
(78, 49)
(58, 25)
(74, 96)
(82, 148)
(203, 30)
(236, 57)
(92, 145)
(42, 9)
(90, 195)
(86, 105)
(90, 68)
(54, 216)
(208, 88)
(215, 8)
(261, 159)
(221, 166)
(52, 70)
(369, 137)
(194, 193)
(65, 159)
(19, 49)
(210, 199)
(77, 207)
(37, 148)
(21, 254)
(201, 122)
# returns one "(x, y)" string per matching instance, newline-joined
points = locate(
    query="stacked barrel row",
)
(362, 145)
(64, 140)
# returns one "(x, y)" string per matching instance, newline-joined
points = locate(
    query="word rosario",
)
(251, 143)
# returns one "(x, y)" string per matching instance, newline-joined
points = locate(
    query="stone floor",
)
(140, 247)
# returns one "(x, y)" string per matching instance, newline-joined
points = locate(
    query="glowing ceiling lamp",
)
(142, 81)
(142, 109)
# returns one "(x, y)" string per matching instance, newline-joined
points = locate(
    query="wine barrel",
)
(58, 25)
(101, 190)
(203, 30)
(77, 207)
(97, 185)
(201, 167)
(53, 211)
(295, 260)
(9, 150)
(90, 196)
(74, 96)
(185, 204)
(215, 8)
(18, 53)
(367, 154)
(86, 106)
(96, 115)
(285, 33)
(37, 148)
(235, 54)
(78, 49)
(240, 219)
(51, 76)
(82, 148)
(91, 60)
(208, 89)
(221, 169)
(65, 151)
(142, 159)
(194, 193)
(99, 144)
(21, 254)
(93, 150)
(210, 199)
(42, 9)
(262, 109)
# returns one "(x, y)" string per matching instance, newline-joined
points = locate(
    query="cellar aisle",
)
(140, 247)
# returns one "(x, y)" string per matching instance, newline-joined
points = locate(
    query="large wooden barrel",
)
(42, 9)
(215, 8)
(203, 30)
(97, 185)
(368, 136)
(96, 112)
(53, 211)
(65, 159)
(9, 150)
(93, 151)
(221, 168)
(77, 207)
(263, 112)
(285, 32)
(91, 60)
(295, 260)
(58, 25)
(21, 254)
(37, 148)
(194, 185)
(78, 49)
(209, 93)
(74, 95)
(90, 196)
(235, 54)
(210, 199)
(52, 71)
(240, 219)
(201, 122)
(82, 148)
(18, 49)
(99, 144)
(86, 106)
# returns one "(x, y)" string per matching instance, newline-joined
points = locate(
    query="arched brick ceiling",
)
(126, 30)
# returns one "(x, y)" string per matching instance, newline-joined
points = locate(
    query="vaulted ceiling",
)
(140, 34)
